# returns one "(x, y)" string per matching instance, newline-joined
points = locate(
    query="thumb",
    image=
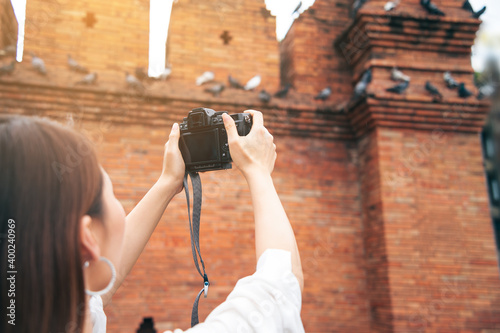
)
(232, 132)
(173, 138)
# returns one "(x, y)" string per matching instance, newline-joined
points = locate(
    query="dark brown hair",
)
(49, 179)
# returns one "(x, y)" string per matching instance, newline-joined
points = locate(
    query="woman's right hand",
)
(255, 153)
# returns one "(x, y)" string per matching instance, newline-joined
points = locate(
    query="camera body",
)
(203, 141)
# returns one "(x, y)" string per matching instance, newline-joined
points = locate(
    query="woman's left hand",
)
(173, 163)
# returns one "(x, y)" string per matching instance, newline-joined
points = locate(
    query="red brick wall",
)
(314, 61)
(374, 242)
(8, 24)
(392, 223)
(316, 180)
(195, 44)
(315, 177)
(439, 238)
(118, 41)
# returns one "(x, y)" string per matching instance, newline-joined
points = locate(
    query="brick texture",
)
(386, 193)
(8, 24)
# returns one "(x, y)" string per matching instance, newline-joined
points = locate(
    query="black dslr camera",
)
(203, 142)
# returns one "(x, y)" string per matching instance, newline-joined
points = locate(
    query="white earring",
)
(110, 284)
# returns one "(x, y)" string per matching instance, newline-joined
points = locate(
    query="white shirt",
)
(97, 314)
(269, 301)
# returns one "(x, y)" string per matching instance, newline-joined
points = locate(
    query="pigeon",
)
(468, 7)
(234, 83)
(433, 90)
(450, 81)
(295, 12)
(390, 5)
(165, 74)
(88, 79)
(480, 12)
(264, 96)
(360, 87)
(463, 92)
(253, 83)
(283, 92)
(9, 50)
(216, 89)
(38, 64)
(357, 6)
(397, 75)
(486, 91)
(399, 88)
(205, 77)
(431, 8)
(324, 94)
(8, 69)
(141, 74)
(133, 82)
(74, 65)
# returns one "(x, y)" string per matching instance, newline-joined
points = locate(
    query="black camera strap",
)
(194, 230)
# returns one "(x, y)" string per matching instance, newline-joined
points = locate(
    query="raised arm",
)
(255, 155)
(142, 220)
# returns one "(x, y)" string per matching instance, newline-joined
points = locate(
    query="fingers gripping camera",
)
(203, 142)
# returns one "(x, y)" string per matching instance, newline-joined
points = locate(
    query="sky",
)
(488, 37)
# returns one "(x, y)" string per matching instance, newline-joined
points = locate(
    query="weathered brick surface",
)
(314, 64)
(8, 24)
(195, 44)
(321, 199)
(441, 254)
(386, 193)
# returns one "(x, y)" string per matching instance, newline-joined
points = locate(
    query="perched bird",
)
(463, 92)
(399, 88)
(38, 64)
(433, 90)
(253, 83)
(324, 94)
(450, 80)
(295, 12)
(165, 74)
(360, 88)
(357, 6)
(88, 79)
(216, 89)
(264, 96)
(74, 65)
(133, 82)
(205, 77)
(486, 91)
(468, 7)
(283, 92)
(9, 50)
(431, 8)
(234, 82)
(141, 74)
(397, 75)
(390, 5)
(8, 69)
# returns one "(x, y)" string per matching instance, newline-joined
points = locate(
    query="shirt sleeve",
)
(269, 301)
(97, 314)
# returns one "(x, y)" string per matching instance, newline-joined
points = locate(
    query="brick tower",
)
(386, 192)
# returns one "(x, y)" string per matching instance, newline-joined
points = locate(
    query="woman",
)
(66, 245)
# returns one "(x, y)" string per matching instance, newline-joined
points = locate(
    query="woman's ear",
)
(88, 244)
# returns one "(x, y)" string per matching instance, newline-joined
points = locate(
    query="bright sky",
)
(283, 10)
(488, 37)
